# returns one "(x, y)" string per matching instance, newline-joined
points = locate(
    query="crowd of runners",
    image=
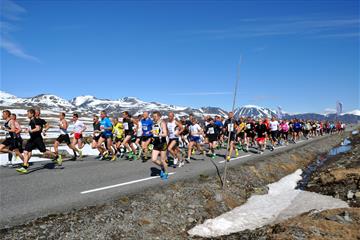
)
(166, 140)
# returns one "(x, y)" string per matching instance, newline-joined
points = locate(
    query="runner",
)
(13, 141)
(284, 129)
(274, 131)
(63, 137)
(18, 142)
(129, 135)
(96, 132)
(146, 138)
(250, 133)
(241, 135)
(174, 130)
(106, 135)
(194, 139)
(261, 131)
(35, 142)
(77, 131)
(159, 131)
(139, 132)
(118, 132)
(212, 134)
(230, 131)
(297, 130)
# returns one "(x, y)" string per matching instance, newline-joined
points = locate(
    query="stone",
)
(350, 194)
(357, 194)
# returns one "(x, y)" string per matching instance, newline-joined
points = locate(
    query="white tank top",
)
(62, 131)
(139, 130)
(171, 128)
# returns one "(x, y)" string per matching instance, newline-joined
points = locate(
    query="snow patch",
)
(283, 201)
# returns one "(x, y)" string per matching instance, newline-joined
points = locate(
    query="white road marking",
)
(233, 159)
(121, 184)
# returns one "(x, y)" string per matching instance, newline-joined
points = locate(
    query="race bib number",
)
(144, 128)
(211, 130)
(230, 127)
(126, 126)
(156, 131)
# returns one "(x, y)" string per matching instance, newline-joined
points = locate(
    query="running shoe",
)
(236, 152)
(113, 158)
(162, 173)
(175, 163)
(228, 158)
(165, 176)
(181, 164)
(213, 156)
(187, 160)
(22, 170)
(59, 160)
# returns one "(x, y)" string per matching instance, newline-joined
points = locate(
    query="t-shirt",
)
(118, 130)
(242, 127)
(42, 123)
(229, 126)
(284, 127)
(195, 130)
(104, 124)
(96, 127)
(261, 130)
(219, 123)
(212, 130)
(274, 125)
(172, 129)
(78, 126)
(128, 126)
(32, 125)
(146, 125)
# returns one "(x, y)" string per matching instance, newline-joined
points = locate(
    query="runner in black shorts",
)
(13, 141)
(129, 135)
(35, 142)
(212, 133)
(63, 137)
(160, 132)
(96, 132)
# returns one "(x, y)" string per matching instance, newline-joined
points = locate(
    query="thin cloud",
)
(11, 12)
(341, 27)
(16, 50)
(201, 93)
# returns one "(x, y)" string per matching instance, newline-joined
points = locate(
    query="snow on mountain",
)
(354, 112)
(49, 100)
(254, 111)
(80, 100)
(88, 105)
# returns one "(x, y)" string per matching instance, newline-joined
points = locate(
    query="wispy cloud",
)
(16, 50)
(200, 93)
(11, 12)
(340, 27)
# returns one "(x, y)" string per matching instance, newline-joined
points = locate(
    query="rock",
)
(191, 220)
(357, 194)
(347, 217)
(350, 194)
(43, 227)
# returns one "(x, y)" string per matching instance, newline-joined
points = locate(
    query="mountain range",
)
(88, 105)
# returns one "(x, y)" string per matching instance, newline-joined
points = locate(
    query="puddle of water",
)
(306, 175)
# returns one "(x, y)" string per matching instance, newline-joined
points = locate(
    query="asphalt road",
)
(47, 190)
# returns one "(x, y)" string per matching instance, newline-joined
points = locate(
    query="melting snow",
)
(283, 201)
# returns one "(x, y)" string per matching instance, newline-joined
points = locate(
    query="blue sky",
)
(301, 55)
